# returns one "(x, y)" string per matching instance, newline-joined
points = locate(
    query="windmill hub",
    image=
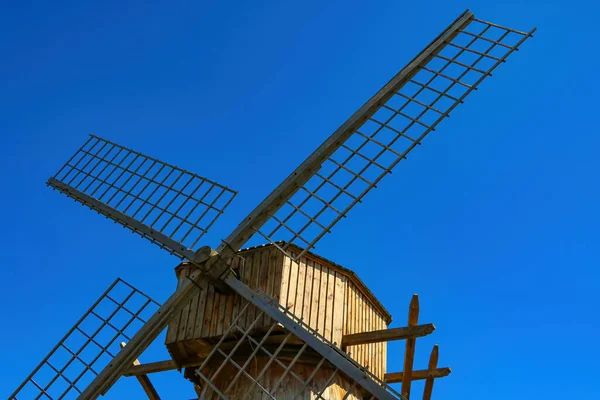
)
(203, 254)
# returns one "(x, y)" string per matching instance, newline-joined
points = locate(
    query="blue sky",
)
(493, 221)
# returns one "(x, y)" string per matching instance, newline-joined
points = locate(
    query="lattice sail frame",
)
(89, 345)
(388, 131)
(171, 207)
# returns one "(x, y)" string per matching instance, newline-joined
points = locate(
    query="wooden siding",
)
(324, 296)
(361, 316)
(312, 292)
(210, 314)
(288, 389)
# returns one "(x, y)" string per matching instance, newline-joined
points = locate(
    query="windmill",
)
(262, 344)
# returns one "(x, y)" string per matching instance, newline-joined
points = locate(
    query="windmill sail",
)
(167, 205)
(380, 134)
(89, 345)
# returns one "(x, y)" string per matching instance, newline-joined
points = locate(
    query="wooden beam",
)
(150, 368)
(409, 354)
(144, 381)
(398, 377)
(433, 360)
(387, 335)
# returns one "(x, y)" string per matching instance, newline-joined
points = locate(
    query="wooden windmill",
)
(274, 321)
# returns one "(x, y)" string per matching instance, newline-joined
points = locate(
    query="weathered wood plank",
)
(200, 309)
(208, 307)
(299, 308)
(285, 281)
(388, 335)
(293, 286)
(315, 290)
(185, 312)
(308, 293)
(192, 314)
(398, 377)
(322, 317)
(329, 305)
(338, 309)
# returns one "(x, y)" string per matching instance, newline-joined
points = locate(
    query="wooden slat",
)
(322, 310)
(173, 328)
(338, 308)
(409, 355)
(388, 335)
(329, 305)
(250, 275)
(285, 280)
(293, 286)
(208, 307)
(314, 303)
(308, 293)
(398, 377)
(433, 360)
(185, 312)
(192, 315)
(200, 309)
(272, 274)
(299, 307)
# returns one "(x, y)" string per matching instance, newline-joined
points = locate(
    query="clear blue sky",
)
(493, 221)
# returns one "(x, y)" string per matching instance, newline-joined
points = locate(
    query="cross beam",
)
(387, 335)
(144, 381)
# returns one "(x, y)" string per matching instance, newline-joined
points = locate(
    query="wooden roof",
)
(345, 271)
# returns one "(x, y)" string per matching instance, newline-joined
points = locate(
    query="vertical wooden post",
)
(409, 354)
(145, 382)
(433, 360)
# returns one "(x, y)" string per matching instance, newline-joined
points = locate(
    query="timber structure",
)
(274, 321)
(330, 298)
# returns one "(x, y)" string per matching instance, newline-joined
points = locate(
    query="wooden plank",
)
(248, 281)
(433, 360)
(200, 310)
(322, 317)
(368, 327)
(329, 305)
(223, 305)
(208, 306)
(299, 308)
(285, 280)
(398, 377)
(315, 293)
(185, 311)
(192, 315)
(409, 354)
(338, 309)
(273, 279)
(388, 335)
(293, 286)
(272, 275)
(144, 381)
(308, 292)
(151, 368)
(173, 328)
